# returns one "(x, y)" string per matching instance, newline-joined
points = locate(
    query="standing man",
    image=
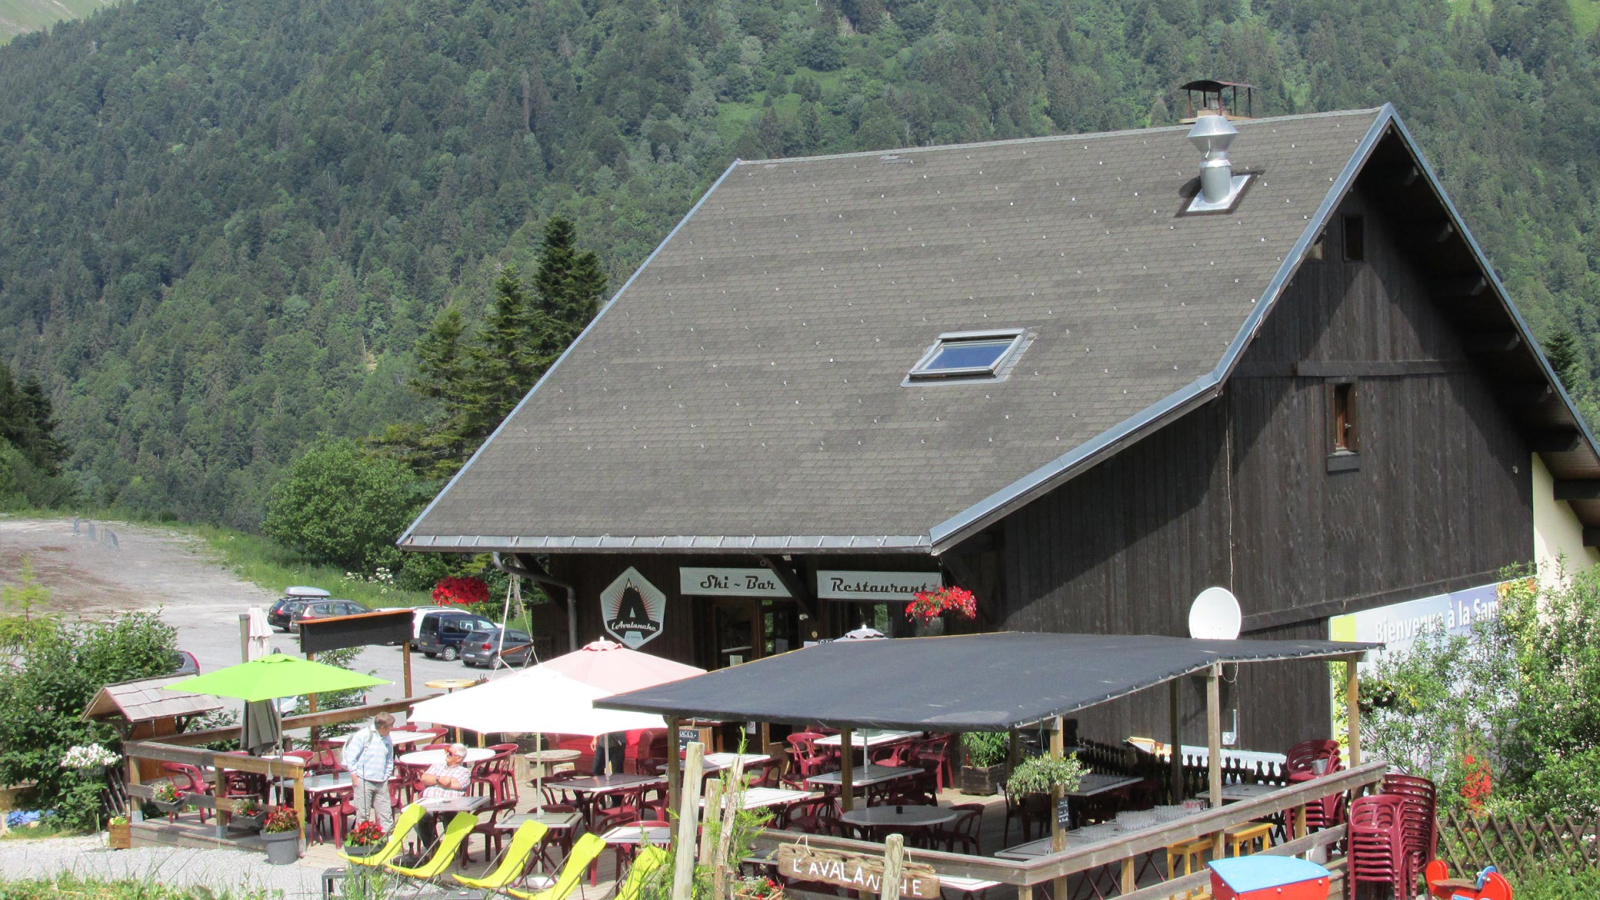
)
(369, 755)
(448, 780)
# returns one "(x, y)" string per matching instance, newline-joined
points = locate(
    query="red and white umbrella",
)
(616, 669)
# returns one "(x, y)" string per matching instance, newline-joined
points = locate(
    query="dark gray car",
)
(479, 648)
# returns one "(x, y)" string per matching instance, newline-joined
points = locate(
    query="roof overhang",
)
(733, 544)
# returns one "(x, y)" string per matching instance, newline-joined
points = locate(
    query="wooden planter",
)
(983, 781)
(743, 893)
(120, 836)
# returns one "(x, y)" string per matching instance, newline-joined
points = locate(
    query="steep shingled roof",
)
(745, 389)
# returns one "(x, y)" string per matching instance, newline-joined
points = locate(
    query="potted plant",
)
(1040, 774)
(983, 769)
(927, 607)
(758, 887)
(166, 797)
(119, 833)
(365, 839)
(281, 836)
(247, 813)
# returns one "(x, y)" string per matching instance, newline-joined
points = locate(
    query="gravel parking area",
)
(216, 869)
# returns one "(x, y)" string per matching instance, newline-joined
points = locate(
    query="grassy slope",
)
(21, 16)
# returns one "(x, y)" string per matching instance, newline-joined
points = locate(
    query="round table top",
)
(900, 815)
(429, 757)
(449, 684)
(552, 755)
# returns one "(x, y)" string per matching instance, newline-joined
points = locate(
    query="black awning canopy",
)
(980, 682)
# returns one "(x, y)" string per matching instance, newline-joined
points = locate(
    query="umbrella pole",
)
(538, 779)
(312, 702)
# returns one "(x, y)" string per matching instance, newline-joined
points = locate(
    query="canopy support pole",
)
(674, 761)
(1214, 745)
(847, 764)
(1175, 740)
(311, 701)
(1058, 831)
(1352, 707)
(405, 665)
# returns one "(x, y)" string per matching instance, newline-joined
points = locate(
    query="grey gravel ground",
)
(216, 869)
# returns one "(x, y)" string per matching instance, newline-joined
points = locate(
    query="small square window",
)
(1355, 238)
(967, 355)
(1345, 435)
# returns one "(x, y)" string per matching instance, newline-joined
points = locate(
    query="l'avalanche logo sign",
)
(859, 873)
(633, 609)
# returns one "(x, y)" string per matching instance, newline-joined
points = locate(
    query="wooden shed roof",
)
(147, 699)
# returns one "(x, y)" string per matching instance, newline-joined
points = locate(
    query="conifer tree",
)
(1562, 351)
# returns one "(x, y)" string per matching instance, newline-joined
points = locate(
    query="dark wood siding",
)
(1241, 493)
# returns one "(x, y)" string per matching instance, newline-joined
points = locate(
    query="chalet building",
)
(1072, 374)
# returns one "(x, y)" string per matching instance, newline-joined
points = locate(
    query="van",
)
(440, 635)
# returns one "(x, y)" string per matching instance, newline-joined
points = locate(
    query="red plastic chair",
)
(188, 780)
(937, 749)
(1377, 844)
(497, 774)
(1420, 816)
(1303, 756)
(804, 756)
(335, 809)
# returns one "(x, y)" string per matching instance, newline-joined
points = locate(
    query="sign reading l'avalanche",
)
(874, 586)
(633, 609)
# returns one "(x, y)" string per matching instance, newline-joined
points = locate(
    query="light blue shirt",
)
(369, 755)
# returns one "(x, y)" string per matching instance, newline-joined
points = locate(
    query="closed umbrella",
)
(259, 642)
(262, 729)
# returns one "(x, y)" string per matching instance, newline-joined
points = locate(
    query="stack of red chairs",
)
(1301, 765)
(1421, 802)
(1377, 844)
(497, 775)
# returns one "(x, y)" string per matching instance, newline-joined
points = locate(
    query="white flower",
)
(90, 757)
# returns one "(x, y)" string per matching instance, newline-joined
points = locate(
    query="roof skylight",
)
(968, 355)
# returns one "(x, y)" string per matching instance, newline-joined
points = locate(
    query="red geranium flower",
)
(457, 591)
(931, 604)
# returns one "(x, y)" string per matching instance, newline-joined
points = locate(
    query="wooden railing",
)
(179, 748)
(1126, 853)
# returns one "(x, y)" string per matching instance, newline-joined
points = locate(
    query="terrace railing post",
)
(1058, 830)
(674, 761)
(847, 765)
(1352, 702)
(688, 823)
(894, 855)
(300, 802)
(1214, 741)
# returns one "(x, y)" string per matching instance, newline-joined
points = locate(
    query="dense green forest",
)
(224, 227)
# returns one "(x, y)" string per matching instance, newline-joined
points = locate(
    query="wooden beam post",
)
(894, 857)
(1214, 745)
(674, 762)
(1352, 707)
(713, 816)
(1058, 831)
(405, 665)
(1175, 737)
(219, 791)
(300, 802)
(847, 764)
(311, 707)
(244, 637)
(688, 823)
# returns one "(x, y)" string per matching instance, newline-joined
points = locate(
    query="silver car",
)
(478, 649)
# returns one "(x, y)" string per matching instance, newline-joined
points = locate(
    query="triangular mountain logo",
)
(633, 609)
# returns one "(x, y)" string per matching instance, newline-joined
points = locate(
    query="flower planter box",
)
(169, 806)
(119, 836)
(751, 894)
(247, 823)
(983, 781)
(362, 849)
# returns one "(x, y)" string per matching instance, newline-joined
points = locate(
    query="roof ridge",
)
(1042, 139)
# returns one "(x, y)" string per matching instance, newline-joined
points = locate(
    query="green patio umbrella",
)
(271, 677)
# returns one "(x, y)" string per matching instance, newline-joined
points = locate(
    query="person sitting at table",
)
(448, 780)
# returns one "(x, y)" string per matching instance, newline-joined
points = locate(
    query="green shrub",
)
(340, 506)
(73, 887)
(985, 748)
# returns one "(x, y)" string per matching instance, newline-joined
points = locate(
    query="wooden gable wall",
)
(1242, 492)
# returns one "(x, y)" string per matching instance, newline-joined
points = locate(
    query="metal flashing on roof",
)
(908, 543)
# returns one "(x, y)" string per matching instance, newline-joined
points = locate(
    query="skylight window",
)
(962, 355)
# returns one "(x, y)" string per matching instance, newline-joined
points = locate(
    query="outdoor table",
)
(1091, 785)
(716, 762)
(761, 797)
(868, 738)
(397, 738)
(630, 835)
(315, 785)
(899, 816)
(865, 776)
(607, 784)
(438, 805)
(1234, 793)
(427, 758)
(449, 684)
(562, 826)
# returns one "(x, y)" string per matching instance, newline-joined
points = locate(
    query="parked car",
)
(478, 649)
(184, 663)
(442, 634)
(279, 614)
(323, 609)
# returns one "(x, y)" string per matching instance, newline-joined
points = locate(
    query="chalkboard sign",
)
(687, 736)
(1063, 818)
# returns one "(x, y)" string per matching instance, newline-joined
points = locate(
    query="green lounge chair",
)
(524, 844)
(584, 852)
(645, 867)
(461, 825)
(409, 817)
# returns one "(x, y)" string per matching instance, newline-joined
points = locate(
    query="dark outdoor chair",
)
(962, 835)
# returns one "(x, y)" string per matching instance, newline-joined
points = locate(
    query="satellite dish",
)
(1214, 615)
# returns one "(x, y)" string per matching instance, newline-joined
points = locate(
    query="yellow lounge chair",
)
(645, 867)
(585, 851)
(409, 817)
(461, 825)
(524, 843)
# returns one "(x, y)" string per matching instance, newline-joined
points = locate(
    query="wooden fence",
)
(1518, 844)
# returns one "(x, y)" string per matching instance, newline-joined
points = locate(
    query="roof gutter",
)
(947, 534)
(537, 573)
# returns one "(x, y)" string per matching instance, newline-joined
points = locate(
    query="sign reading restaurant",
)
(874, 586)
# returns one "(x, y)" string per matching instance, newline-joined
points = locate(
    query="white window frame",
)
(921, 374)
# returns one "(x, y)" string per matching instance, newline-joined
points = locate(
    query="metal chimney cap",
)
(1212, 133)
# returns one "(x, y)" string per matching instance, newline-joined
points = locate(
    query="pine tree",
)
(1562, 351)
(505, 357)
(568, 287)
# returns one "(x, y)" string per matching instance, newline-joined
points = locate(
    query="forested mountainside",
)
(19, 16)
(225, 225)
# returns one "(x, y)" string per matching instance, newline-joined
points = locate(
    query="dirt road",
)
(150, 568)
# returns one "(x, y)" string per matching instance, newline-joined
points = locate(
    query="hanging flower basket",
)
(927, 606)
(457, 591)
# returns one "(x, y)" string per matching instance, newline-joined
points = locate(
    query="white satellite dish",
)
(1214, 615)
